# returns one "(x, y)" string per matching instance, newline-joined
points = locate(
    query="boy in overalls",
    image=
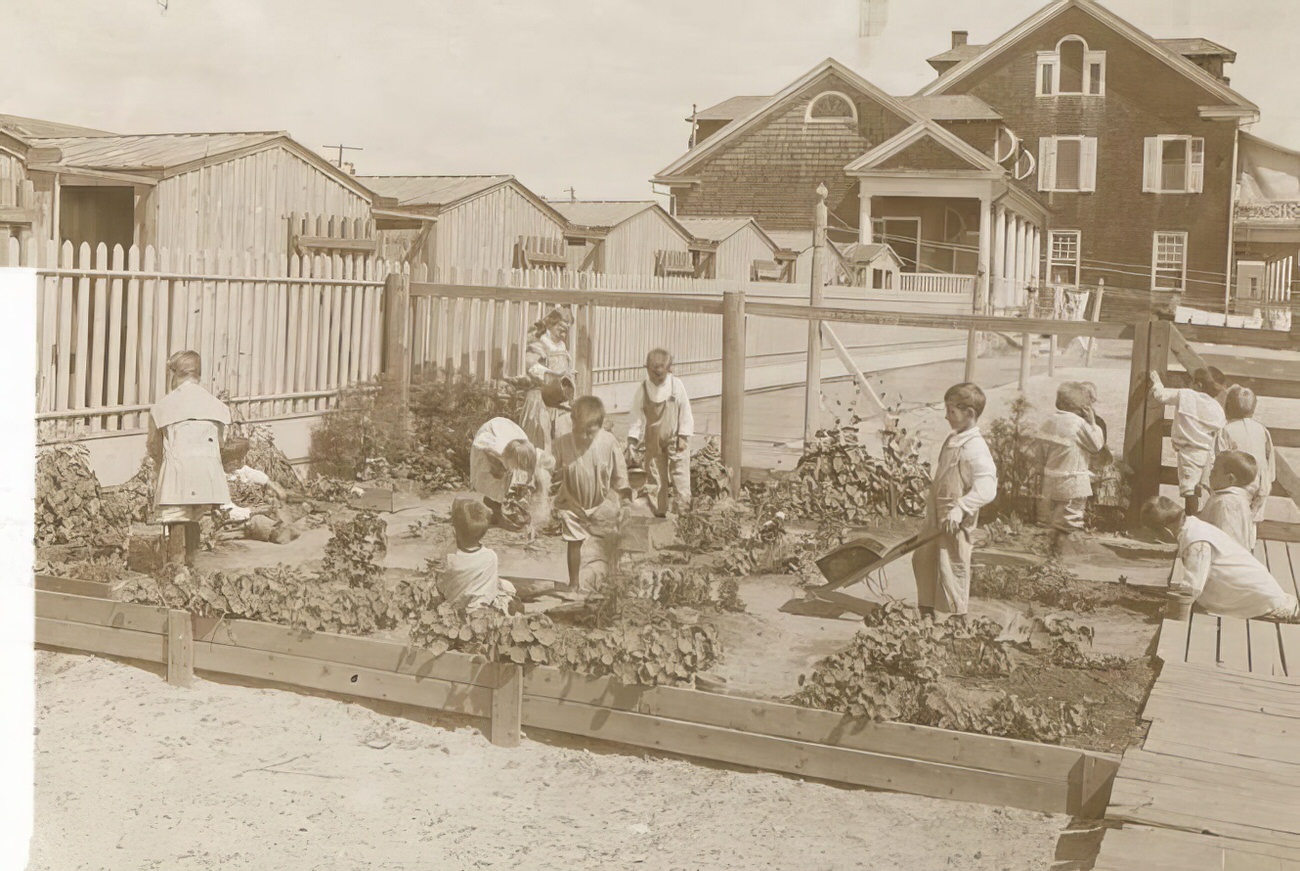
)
(965, 479)
(185, 432)
(661, 424)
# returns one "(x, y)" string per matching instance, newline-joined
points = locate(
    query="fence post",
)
(813, 378)
(397, 328)
(1025, 339)
(507, 706)
(1144, 429)
(180, 648)
(733, 382)
(583, 362)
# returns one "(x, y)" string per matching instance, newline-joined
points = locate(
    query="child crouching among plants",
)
(591, 469)
(471, 578)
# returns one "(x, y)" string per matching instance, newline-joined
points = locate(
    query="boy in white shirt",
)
(1229, 505)
(661, 423)
(1221, 574)
(1243, 433)
(1198, 417)
(965, 480)
(470, 578)
(1071, 439)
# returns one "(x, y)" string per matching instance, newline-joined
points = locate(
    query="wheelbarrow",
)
(849, 563)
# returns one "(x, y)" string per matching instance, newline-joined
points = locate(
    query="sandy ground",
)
(135, 774)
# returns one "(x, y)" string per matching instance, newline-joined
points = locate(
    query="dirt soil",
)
(135, 774)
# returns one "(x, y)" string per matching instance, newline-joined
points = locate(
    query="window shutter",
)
(1088, 164)
(1151, 165)
(1195, 165)
(1046, 164)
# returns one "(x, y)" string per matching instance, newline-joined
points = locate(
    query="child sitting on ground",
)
(965, 479)
(590, 468)
(1221, 574)
(1229, 505)
(1243, 433)
(470, 579)
(1071, 438)
(1198, 417)
(660, 422)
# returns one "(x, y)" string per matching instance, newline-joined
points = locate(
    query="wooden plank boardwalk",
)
(1216, 783)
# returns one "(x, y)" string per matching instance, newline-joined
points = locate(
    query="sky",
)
(589, 94)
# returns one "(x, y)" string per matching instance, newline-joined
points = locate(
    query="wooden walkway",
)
(1216, 783)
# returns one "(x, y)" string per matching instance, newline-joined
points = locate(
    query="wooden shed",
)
(743, 251)
(620, 237)
(470, 223)
(257, 194)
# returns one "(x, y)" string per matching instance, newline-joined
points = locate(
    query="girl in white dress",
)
(549, 366)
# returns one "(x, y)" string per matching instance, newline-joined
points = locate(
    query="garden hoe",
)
(847, 564)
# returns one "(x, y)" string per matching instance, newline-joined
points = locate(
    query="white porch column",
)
(864, 216)
(1036, 259)
(1008, 286)
(999, 271)
(1022, 262)
(983, 269)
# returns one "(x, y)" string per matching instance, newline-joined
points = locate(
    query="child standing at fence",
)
(1243, 433)
(1198, 417)
(965, 479)
(661, 425)
(1229, 504)
(185, 433)
(470, 577)
(591, 469)
(549, 366)
(1071, 438)
(1219, 573)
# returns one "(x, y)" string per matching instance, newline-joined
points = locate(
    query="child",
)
(590, 466)
(660, 422)
(185, 432)
(965, 479)
(550, 373)
(470, 578)
(1229, 505)
(1071, 438)
(1198, 417)
(1243, 433)
(1223, 576)
(503, 468)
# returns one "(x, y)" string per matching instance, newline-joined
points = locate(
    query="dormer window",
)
(1071, 69)
(831, 107)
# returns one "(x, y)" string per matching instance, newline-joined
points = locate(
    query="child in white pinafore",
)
(965, 480)
(1198, 417)
(549, 366)
(1243, 433)
(1229, 505)
(660, 421)
(1071, 438)
(185, 432)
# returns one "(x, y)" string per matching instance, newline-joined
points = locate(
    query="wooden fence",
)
(278, 338)
(738, 731)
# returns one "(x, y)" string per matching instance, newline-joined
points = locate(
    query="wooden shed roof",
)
(158, 151)
(37, 128)
(600, 214)
(432, 190)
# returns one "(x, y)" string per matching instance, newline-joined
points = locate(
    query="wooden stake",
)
(813, 379)
(507, 706)
(180, 648)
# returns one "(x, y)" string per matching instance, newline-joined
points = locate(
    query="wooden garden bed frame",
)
(752, 733)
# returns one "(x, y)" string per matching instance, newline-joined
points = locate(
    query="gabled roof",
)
(1198, 46)
(600, 214)
(860, 253)
(36, 128)
(730, 109)
(951, 107)
(1152, 46)
(792, 240)
(956, 55)
(432, 190)
(979, 161)
(722, 229)
(827, 67)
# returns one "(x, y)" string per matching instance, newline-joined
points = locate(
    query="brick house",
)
(923, 175)
(1135, 141)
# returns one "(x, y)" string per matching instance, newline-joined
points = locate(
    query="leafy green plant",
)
(707, 526)
(370, 421)
(1013, 442)
(355, 553)
(692, 587)
(1052, 584)
(709, 477)
(447, 409)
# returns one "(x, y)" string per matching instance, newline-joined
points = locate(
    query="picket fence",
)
(277, 337)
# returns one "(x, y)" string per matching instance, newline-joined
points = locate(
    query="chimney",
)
(959, 38)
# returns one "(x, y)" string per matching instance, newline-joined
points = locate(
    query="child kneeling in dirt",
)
(1229, 505)
(1198, 417)
(591, 468)
(1071, 438)
(1220, 574)
(470, 578)
(660, 424)
(965, 479)
(505, 469)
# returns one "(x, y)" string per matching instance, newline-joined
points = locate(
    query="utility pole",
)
(342, 148)
(813, 375)
(573, 195)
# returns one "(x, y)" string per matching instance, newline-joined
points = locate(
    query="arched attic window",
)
(831, 107)
(1072, 68)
